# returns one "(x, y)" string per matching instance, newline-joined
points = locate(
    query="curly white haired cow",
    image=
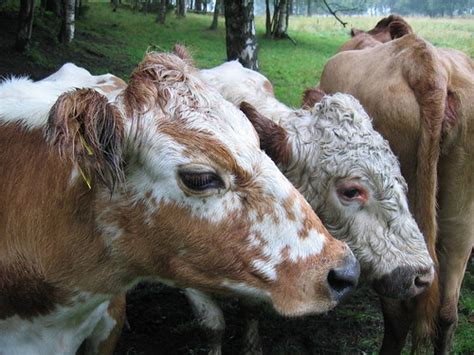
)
(346, 171)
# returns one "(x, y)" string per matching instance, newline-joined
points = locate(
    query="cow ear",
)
(273, 137)
(399, 28)
(355, 32)
(89, 131)
(311, 97)
(181, 51)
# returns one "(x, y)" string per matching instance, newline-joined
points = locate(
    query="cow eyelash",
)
(201, 181)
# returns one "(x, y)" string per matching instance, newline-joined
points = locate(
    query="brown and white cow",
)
(165, 183)
(347, 173)
(421, 100)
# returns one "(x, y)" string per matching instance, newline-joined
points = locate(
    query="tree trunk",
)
(181, 8)
(241, 40)
(25, 24)
(308, 8)
(78, 8)
(268, 19)
(281, 23)
(215, 18)
(114, 5)
(66, 34)
(52, 5)
(198, 5)
(161, 12)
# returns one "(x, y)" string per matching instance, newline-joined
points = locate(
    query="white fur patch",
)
(60, 332)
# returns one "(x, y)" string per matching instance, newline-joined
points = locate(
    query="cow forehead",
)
(219, 132)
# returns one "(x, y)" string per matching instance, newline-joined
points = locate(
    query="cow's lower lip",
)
(305, 309)
(404, 283)
(401, 294)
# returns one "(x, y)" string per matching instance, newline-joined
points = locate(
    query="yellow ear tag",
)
(86, 179)
(85, 145)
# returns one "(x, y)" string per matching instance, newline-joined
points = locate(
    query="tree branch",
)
(344, 24)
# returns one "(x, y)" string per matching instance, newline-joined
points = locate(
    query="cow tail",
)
(430, 91)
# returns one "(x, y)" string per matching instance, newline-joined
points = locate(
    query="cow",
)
(165, 182)
(420, 98)
(348, 174)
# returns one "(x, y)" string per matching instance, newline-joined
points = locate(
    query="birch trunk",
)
(66, 35)
(215, 18)
(25, 24)
(181, 8)
(241, 40)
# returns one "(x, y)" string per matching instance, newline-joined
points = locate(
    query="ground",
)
(160, 320)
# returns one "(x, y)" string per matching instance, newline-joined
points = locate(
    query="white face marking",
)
(60, 332)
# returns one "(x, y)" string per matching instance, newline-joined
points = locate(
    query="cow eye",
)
(201, 181)
(351, 193)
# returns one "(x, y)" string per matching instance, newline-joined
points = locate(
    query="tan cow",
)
(421, 100)
(165, 182)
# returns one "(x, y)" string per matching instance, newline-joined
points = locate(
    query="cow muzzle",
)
(342, 280)
(404, 282)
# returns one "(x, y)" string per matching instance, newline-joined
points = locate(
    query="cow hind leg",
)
(210, 317)
(251, 344)
(454, 250)
(398, 317)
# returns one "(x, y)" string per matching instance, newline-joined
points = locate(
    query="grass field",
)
(115, 42)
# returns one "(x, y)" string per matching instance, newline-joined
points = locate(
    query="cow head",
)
(186, 196)
(387, 29)
(352, 180)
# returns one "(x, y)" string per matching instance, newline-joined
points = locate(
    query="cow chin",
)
(300, 308)
(404, 282)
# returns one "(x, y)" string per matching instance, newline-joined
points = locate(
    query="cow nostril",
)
(343, 280)
(420, 283)
(424, 280)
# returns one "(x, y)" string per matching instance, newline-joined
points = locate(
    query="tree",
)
(66, 34)
(181, 8)
(241, 39)
(162, 12)
(217, 9)
(280, 19)
(198, 5)
(25, 24)
(268, 19)
(51, 5)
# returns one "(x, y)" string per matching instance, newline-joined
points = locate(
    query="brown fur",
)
(182, 52)
(273, 138)
(420, 80)
(147, 87)
(90, 131)
(311, 97)
(268, 88)
(58, 226)
(391, 27)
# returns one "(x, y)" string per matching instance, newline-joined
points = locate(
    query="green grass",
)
(116, 41)
(291, 68)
